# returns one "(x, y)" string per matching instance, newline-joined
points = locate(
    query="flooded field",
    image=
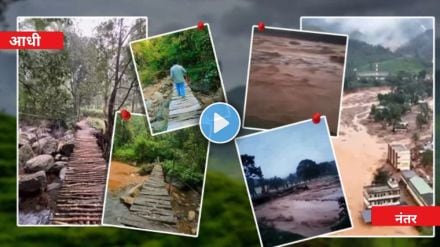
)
(309, 213)
(290, 79)
(360, 153)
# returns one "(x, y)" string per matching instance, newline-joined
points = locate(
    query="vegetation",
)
(182, 153)
(407, 91)
(381, 177)
(91, 77)
(308, 169)
(191, 48)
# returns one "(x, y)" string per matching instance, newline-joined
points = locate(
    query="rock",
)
(53, 186)
(32, 183)
(39, 163)
(133, 192)
(58, 157)
(64, 158)
(57, 166)
(25, 153)
(157, 97)
(31, 137)
(66, 148)
(127, 200)
(62, 174)
(193, 231)
(22, 140)
(191, 215)
(47, 145)
(145, 169)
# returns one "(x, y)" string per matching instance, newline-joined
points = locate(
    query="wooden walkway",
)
(183, 111)
(80, 199)
(152, 208)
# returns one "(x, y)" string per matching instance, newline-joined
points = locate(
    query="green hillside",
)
(394, 65)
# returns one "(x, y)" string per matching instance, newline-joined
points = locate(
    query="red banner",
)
(32, 40)
(405, 216)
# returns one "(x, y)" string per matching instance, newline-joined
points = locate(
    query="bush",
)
(145, 169)
(124, 154)
(183, 173)
(96, 113)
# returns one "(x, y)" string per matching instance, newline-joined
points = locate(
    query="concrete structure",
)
(418, 188)
(382, 195)
(399, 156)
(370, 75)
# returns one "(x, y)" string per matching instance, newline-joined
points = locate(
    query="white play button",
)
(219, 123)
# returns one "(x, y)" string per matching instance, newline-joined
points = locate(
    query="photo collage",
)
(338, 117)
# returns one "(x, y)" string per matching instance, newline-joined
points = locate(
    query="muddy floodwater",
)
(292, 78)
(309, 213)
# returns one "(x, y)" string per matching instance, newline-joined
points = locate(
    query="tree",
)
(114, 55)
(381, 177)
(427, 158)
(307, 169)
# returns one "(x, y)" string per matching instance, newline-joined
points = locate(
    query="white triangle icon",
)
(219, 123)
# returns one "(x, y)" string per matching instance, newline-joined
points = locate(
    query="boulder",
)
(32, 183)
(25, 153)
(53, 186)
(39, 163)
(66, 147)
(58, 157)
(57, 166)
(62, 174)
(127, 200)
(31, 137)
(191, 215)
(64, 158)
(46, 145)
(22, 140)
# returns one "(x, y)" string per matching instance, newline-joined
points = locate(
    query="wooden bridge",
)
(81, 196)
(183, 111)
(152, 209)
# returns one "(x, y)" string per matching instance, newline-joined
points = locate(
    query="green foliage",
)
(191, 48)
(427, 158)
(185, 148)
(145, 169)
(96, 113)
(381, 177)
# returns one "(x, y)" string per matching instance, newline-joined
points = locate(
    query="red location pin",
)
(261, 26)
(125, 115)
(201, 25)
(316, 118)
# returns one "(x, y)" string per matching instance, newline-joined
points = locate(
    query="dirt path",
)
(80, 199)
(359, 154)
(183, 111)
(123, 175)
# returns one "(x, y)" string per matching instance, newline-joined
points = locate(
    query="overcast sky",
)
(388, 32)
(279, 151)
(230, 20)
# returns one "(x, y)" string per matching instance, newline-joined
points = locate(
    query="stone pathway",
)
(81, 196)
(152, 208)
(183, 111)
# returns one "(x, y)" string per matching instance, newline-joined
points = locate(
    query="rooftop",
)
(421, 186)
(408, 174)
(398, 147)
(379, 188)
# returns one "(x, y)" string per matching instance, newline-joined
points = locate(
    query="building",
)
(399, 156)
(418, 188)
(373, 75)
(382, 195)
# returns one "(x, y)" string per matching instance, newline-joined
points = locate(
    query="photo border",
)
(337, 167)
(432, 18)
(18, 19)
(206, 25)
(151, 230)
(301, 31)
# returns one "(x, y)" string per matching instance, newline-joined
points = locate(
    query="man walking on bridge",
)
(178, 75)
